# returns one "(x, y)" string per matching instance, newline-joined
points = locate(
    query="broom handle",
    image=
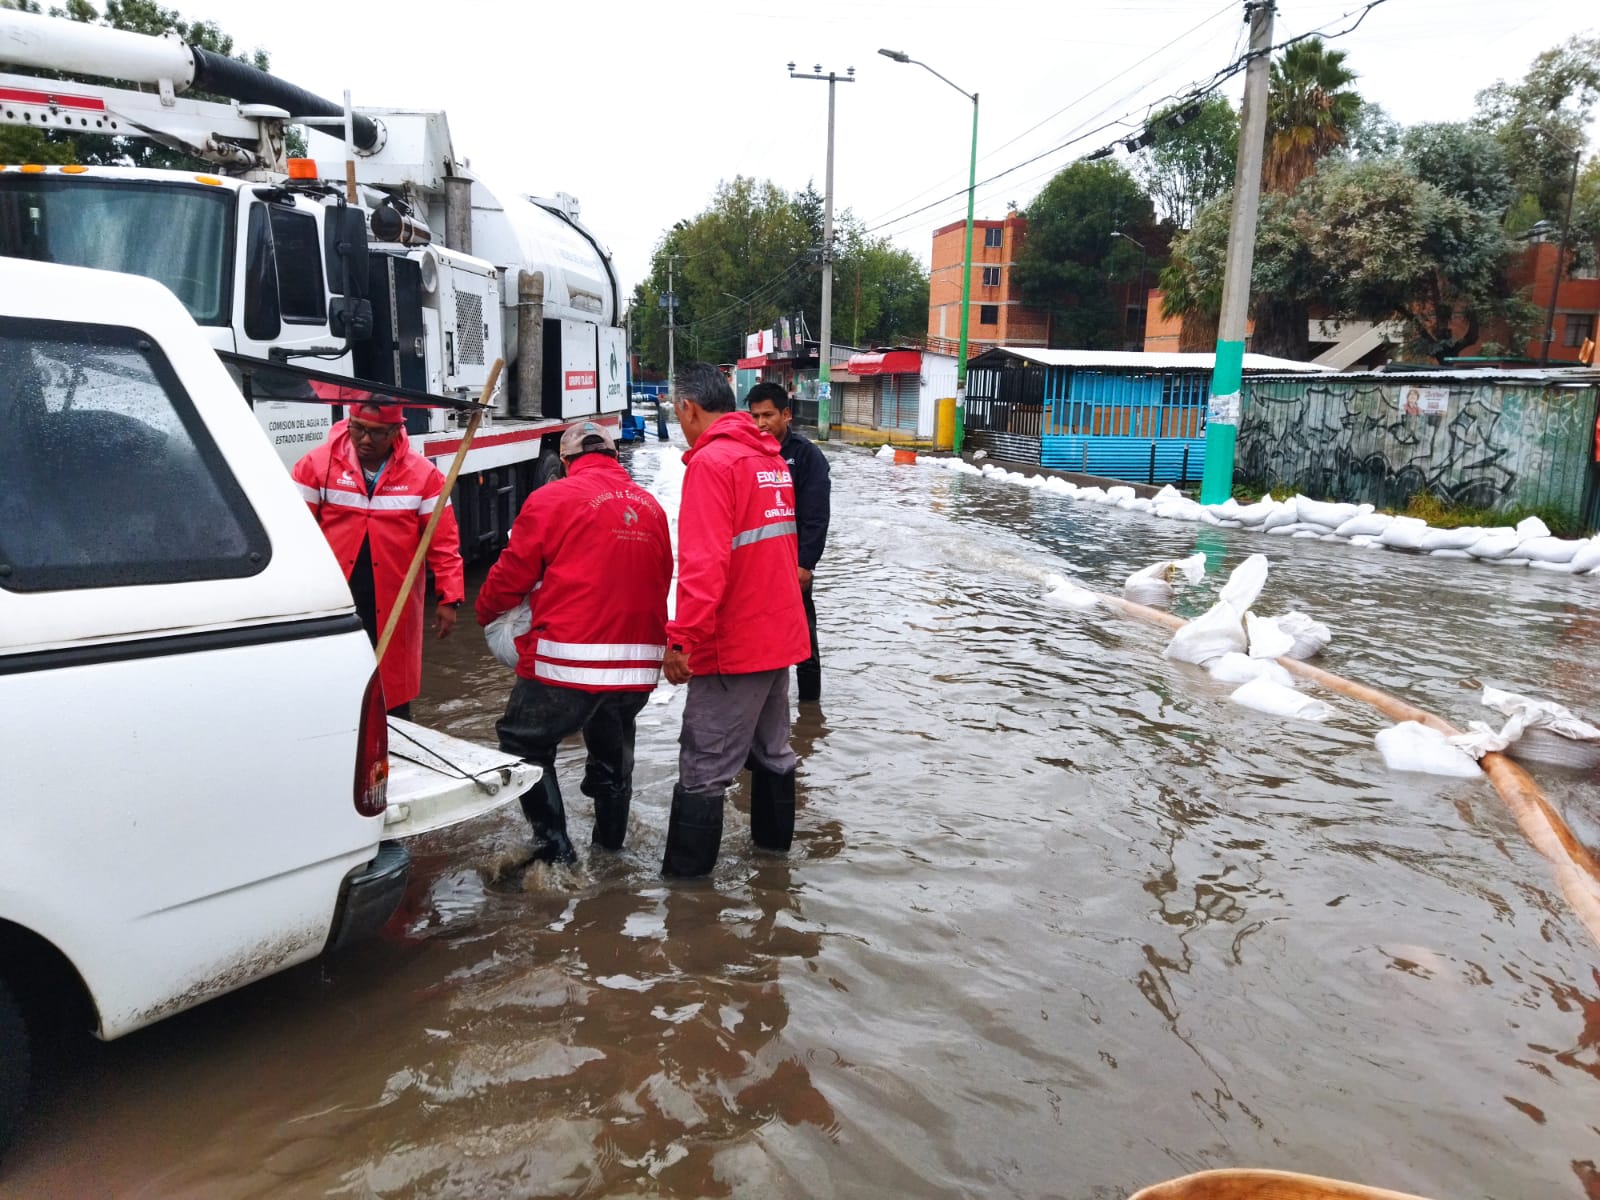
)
(438, 511)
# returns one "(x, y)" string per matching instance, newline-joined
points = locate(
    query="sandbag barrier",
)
(1576, 870)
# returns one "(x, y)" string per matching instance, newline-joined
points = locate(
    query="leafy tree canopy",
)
(1190, 161)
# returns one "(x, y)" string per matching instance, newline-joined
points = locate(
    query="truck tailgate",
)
(436, 780)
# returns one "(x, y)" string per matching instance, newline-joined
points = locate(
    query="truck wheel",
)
(547, 468)
(16, 1063)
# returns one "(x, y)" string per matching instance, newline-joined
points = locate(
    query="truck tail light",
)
(372, 752)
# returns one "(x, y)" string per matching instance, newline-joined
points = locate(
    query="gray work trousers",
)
(728, 719)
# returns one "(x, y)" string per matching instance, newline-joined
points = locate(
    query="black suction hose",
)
(239, 81)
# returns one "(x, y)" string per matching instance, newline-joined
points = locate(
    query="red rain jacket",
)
(393, 518)
(739, 607)
(595, 551)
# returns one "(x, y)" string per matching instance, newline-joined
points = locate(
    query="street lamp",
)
(900, 56)
(1144, 257)
(1561, 246)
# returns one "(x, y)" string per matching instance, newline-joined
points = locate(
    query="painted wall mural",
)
(1491, 443)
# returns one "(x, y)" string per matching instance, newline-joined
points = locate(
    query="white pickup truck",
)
(195, 767)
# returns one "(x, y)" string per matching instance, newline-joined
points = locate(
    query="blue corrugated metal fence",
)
(1126, 425)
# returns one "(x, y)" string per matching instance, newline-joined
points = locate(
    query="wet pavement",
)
(1060, 921)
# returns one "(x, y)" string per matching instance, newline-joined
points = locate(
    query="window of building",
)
(991, 277)
(114, 480)
(992, 236)
(1579, 328)
(988, 314)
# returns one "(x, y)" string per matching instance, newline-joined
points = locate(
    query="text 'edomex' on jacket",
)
(392, 519)
(595, 553)
(739, 607)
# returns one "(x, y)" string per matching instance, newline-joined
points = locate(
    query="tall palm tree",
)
(1310, 108)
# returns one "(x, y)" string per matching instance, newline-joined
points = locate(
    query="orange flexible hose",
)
(1577, 872)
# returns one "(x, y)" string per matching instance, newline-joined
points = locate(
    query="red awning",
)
(753, 364)
(889, 362)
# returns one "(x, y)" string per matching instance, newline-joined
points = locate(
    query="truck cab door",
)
(281, 295)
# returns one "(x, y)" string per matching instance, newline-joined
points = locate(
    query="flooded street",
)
(1060, 921)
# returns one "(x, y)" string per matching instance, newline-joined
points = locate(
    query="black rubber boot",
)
(694, 834)
(772, 809)
(541, 804)
(611, 818)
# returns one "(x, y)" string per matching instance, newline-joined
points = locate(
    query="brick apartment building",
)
(998, 316)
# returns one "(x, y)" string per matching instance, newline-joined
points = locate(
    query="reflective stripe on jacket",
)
(392, 519)
(594, 552)
(738, 607)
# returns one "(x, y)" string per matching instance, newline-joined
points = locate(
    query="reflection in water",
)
(1060, 920)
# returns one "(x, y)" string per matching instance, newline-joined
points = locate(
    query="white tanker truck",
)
(380, 257)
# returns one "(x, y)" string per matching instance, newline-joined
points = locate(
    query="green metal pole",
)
(966, 289)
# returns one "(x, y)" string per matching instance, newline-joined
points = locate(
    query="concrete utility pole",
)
(825, 357)
(1227, 373)
(671, 301)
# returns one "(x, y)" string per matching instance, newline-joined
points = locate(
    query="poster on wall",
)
(1424, 401)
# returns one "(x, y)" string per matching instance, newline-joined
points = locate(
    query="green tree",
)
(1190, 161)
(1311, 109)
(1531, 119)
(1461, 161)
(1070, 260)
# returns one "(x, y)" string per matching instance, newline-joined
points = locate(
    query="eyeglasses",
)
(376, 433)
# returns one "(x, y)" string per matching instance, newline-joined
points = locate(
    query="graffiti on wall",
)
(1486, 444)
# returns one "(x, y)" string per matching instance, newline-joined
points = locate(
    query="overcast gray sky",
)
(639, 109)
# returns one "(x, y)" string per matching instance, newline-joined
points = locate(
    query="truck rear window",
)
(111, 479)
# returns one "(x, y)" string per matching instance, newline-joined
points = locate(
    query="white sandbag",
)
(1544, 732)
(1244, 584)
(1449, 554)
(979, 454)
(1234, 667)
(1404, 533)
(1513, 560)
(1266, 639)
(1548, 549)
(1559, 568)
(1287, 513)
(1450, 539)
(1217, 522)
(1311, 638)
(1090, 493)
(1412, 746)
(1291, 529)
(1587, 557)
(502, 632)
(1495, 544)
(1134, 504)
(1365, 541)
(1167, 492)
(1217, 631)
(1532, 527)
(1152, 585)
(1329, 516)
(1367, 525)
(1064, 593)
(1120, 492)
(1275, 700)
(1177, 510)
(1334, 537)
(1307, 533)
(1257, 513)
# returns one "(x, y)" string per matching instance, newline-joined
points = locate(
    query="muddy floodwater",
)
(1060, 921)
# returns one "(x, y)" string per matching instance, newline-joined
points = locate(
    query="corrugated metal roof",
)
(1140, 361)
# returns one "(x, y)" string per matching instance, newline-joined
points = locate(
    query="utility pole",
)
(1227, 372)
(825, 357)
(671, 301)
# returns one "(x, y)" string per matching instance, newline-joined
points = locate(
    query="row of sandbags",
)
(1529, 543)
(1237, 646)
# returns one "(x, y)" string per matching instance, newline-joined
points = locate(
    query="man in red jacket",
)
(592, 554)
(739, 625)
(372, 495)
